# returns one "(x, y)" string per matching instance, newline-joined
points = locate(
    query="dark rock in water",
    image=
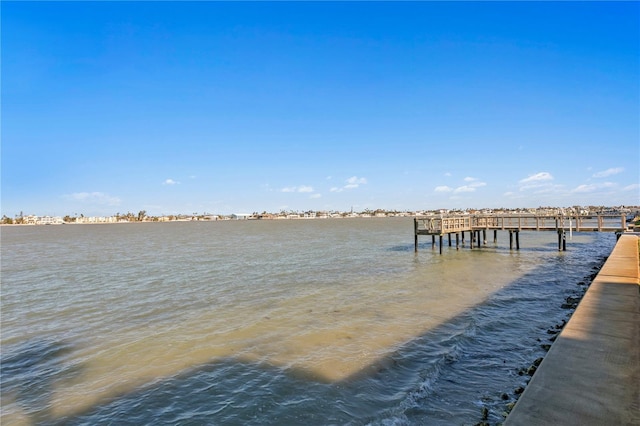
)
(572, 300)
(504, 396)
(532, 370)
(485, 413)
(518, 390)
(582, 283)
(551, 331)
(553, 338)
(545, 347)
(538, 361)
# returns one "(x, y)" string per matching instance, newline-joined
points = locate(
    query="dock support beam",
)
(562, 240)
(510, 240)
(441, 243)
(457, 241)
(495, 235)
(517, 240)
(433, 241)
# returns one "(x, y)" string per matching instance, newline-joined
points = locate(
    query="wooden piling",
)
(517, 240)
(441, 243)
(457, 241)
(510, 240)
(495, 235)
(559, 240)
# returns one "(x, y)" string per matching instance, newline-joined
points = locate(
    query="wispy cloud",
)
(302, 188)
(609, 172)
(631, 187)
(351, 183)
(471, 185)
(170, 182)
(541, 182)
(443, 188)
(593, 187)
(94, 198)
(538, 177)
(464, 188)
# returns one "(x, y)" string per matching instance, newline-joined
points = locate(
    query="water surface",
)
(273, 322)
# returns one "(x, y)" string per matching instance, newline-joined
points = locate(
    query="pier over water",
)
(476, 224)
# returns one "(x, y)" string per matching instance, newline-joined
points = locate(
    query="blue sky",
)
(241, 107)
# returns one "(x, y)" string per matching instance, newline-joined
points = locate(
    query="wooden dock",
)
(475, 224)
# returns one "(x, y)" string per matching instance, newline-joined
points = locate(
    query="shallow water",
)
(274, 322)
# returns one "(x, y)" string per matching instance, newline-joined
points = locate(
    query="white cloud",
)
(302, 188)
(314, 196)
(464, 188)
(609, 172)
(472, 185)
(170, 182)
(538, 177)
(631, 187)
(539, 181)
(94, 197)
(443, 188)
(593, 187)
(352, 183)
(447, 174)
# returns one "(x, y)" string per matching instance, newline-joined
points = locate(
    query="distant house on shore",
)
(241, 216)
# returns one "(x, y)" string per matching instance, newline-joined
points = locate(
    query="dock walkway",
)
(591, 374)
(514, 223)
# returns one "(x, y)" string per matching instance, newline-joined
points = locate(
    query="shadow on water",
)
(401, 385)
(30, 372)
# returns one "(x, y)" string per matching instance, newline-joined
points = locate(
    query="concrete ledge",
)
(591, 374)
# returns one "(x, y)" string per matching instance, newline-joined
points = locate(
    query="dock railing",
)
(454, 224)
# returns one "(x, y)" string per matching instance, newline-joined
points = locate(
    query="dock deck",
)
(514, 223)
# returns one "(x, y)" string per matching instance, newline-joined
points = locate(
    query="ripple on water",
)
(298, 322)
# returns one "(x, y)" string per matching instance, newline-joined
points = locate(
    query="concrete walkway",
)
(591, 374)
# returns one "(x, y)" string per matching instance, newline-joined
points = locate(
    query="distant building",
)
(241, 216)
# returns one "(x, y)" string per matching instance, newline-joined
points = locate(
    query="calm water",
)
(274, 322)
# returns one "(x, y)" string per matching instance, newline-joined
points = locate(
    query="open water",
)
(310, 322)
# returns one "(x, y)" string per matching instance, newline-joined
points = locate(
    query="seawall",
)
(591, 374)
